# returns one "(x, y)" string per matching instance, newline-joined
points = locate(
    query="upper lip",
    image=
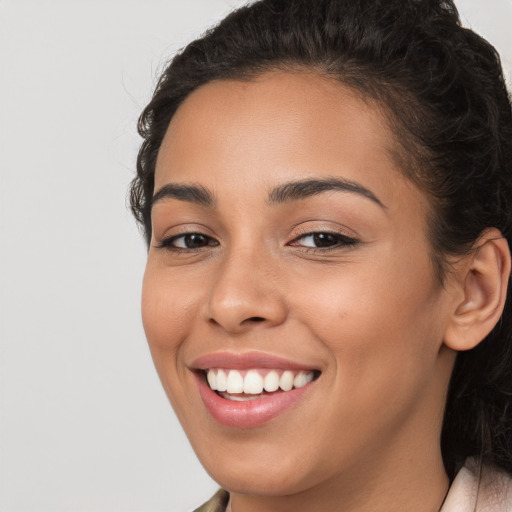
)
(247, 360)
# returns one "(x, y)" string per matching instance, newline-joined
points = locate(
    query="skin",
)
(371, 316)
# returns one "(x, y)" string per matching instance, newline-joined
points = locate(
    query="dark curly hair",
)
(443, 89)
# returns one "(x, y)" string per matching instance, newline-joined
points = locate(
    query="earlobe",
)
(484, 279)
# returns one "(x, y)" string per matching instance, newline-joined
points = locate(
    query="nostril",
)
(252, 319)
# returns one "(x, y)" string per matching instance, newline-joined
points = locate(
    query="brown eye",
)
(323, 240)
(188, 241)
(191, 241)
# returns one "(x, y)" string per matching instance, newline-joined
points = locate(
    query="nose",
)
(246, 293)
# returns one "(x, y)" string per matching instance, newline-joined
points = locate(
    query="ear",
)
(483, 281)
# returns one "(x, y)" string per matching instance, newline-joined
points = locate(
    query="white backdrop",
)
(85, 425)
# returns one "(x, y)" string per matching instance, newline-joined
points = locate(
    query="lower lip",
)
(251, 413)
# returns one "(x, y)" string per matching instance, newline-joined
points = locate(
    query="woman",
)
(325, 188)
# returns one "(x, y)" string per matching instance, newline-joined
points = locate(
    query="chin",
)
(262, 469)
(261, 481)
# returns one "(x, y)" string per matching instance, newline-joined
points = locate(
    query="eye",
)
(187, 242)
(323, 240)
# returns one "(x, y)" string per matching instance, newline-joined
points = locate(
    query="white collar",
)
(479, 489)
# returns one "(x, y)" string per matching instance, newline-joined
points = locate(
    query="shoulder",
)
(479, 488)
(217, 503)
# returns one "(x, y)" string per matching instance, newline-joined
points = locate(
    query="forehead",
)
(278, 126)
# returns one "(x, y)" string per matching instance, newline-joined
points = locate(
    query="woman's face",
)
(287, 242)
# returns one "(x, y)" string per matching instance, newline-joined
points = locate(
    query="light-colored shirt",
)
(479, 488)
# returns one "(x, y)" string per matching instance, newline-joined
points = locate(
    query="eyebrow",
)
(296, 190)
(287, 192)
(190, 193)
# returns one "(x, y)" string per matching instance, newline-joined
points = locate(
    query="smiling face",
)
(286, 242)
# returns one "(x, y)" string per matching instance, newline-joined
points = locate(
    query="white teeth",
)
(302, 378)
(254, 383)
(235, 382)
(222, 381)
(212, 379)
(286, 381)
(271, 381)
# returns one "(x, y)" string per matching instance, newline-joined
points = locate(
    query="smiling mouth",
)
(253, 384)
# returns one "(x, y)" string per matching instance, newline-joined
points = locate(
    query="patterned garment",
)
(474, 489)
(217, 503)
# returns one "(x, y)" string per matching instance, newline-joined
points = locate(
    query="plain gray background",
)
(85, 425)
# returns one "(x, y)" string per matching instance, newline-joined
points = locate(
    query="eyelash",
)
(341, 241)
(167, 243)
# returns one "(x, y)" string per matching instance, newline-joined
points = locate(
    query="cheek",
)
(167, 311)
(382, 337)
(377, 327)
